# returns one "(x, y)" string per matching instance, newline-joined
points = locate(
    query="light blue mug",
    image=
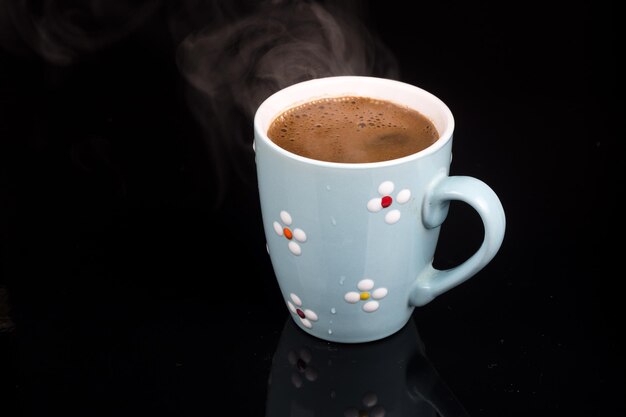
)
(350, 268)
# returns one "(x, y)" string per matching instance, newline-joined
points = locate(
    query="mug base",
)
(336, 337)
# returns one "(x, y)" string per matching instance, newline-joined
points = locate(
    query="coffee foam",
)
(352, 129)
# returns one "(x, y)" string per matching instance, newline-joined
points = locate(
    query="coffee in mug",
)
(352, 129)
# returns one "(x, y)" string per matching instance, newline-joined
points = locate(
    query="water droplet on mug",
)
(333, 310)
(330, 331)
(333, 221)
(342, 279)
(328, 188)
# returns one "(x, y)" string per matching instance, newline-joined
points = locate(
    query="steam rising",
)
(59, 31)
(283, 43)
(233, 67)
(231, 54)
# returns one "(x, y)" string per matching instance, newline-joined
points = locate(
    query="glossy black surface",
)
(134, 277)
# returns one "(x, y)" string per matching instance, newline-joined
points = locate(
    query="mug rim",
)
(259, 117)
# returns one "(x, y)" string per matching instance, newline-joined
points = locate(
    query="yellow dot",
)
(365, 295)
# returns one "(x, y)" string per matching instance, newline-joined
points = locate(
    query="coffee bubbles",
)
(352, 129)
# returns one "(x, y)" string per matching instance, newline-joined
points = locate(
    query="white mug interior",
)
(340, 86)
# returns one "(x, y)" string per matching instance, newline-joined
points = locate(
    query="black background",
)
(134, 279)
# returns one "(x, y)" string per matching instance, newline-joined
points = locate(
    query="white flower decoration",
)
(385, 189)
(366, 294)
(306, 316)
(291, 235)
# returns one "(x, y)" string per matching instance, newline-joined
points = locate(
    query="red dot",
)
(300, 313)
(386, 201)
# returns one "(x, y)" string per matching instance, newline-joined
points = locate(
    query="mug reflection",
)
(390, 377)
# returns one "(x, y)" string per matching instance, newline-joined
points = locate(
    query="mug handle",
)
(433, 282)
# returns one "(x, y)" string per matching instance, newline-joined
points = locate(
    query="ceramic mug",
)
(349, 269)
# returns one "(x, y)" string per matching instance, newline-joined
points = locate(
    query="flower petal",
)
(403, 196)
(375, 205)
(392, 217)
(385, 188)
(310, 314)
(365, 284)
(294, 247)
(295, 299)
(278, 228)
(299, 235)
(352, 297)
(285, 217)
(371, 306)
(379, 293)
